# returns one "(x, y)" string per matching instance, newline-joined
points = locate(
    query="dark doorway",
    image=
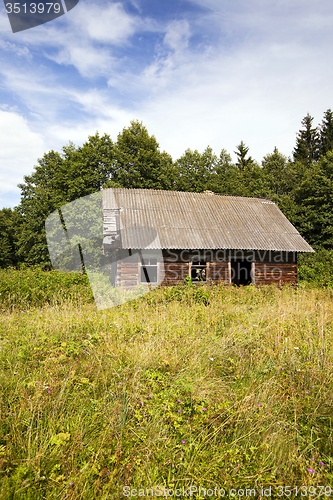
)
(241, 272)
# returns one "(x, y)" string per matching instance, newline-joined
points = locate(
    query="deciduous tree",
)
(138, 161)
(195, 172)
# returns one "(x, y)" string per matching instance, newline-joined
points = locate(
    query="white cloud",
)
(20, 149)
(177, 35)
(110, 25)
(4, 23)
(90, 61)
(17, 50)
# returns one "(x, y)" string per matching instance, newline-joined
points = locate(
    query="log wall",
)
(127, 274)
(281, 274)
(269, 267)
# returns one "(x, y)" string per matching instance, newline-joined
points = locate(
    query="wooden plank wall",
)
(218, 271)
(280, 269)
(175, 273)
(177, 266)
(282, 274)
(274, 267)
(127, 274)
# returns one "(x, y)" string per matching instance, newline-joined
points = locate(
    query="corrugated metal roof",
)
(203, 220)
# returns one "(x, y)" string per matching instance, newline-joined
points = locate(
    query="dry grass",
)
(214, 387)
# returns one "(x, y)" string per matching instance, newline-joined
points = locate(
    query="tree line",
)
(300, 185)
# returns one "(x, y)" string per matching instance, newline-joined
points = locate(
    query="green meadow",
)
(215, 386)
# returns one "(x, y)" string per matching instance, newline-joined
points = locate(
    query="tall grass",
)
(33, 287)
(217, 387)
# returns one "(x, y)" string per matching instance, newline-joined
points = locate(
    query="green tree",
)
(9, 228)
(196, 171)
(244, 178)
(39, 197)
(59, 179)
(241, 152)
(227, 178)
(274, 167)
(326, 133)
(307, 147)
(138, 161)
(87, 168)
(314, 200)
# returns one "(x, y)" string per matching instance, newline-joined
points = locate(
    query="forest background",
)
(300, 185)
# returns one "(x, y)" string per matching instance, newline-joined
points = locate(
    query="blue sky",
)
(195, 72)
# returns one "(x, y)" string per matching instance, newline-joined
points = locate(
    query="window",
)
(198, 270)
(148, 270)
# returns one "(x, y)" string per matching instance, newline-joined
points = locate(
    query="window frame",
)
(201, 265)
(143, 265)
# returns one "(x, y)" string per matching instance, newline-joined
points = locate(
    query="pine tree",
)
(307, 147)
(313, 196)
(242, 162)
(326, 133)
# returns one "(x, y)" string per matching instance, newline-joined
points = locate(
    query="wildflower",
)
(179, 411)
(71, 483)
(178, 401)
(212, 359)
(120, 383)
(322, 463)
(296, 347)
(307, 392)
(183, 442)
(310, 470)
(49, 392)
(141, 403)
(204, 409)
(259, 405)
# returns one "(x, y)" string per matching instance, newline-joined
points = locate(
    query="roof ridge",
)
(206, 193)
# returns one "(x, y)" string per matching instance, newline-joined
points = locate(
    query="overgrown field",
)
(213, 387)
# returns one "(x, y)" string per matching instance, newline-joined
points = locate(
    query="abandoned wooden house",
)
(208, 237)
